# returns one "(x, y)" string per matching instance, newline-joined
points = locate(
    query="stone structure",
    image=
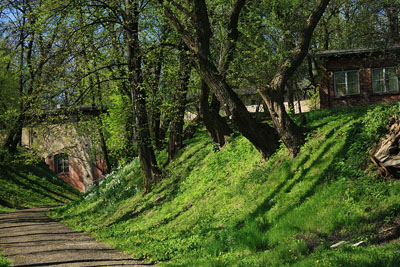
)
(69, 145)
(358, 77)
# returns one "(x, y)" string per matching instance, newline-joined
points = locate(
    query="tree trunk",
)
(291, 135)
(290, 93)
(263, 137)
(155, 112)
(148, 163)
(298, 102)
(103, 144)
(14, 135)
(175, 142)
(216, 126)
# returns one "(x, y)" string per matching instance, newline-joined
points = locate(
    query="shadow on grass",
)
(7, 174)
(286, 186)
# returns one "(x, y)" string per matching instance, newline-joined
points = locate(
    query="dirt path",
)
(30, 238)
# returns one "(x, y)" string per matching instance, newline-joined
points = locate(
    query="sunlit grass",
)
(232, 208)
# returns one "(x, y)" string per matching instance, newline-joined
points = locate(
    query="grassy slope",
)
(231, 208)
(31, 186)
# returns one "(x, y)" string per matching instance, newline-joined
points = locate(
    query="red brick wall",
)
(74, 178)
(363, 63)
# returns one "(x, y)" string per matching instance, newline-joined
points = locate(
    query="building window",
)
(385, 80)
(346, 83)
(62, 164)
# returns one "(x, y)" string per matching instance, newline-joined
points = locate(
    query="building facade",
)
(358, 77)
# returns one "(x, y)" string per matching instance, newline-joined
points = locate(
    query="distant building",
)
(359, 76)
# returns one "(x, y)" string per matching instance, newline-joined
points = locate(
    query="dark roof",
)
(334, 53)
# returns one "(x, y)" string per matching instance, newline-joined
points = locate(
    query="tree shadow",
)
(287, 185)
(46, 189)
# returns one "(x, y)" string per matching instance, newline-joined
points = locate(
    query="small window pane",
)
(393, 85)
(62, 163)
(341, 89)
(340, 83)
(340, 77)
(391, 79)
(378, 84)
(352, 82)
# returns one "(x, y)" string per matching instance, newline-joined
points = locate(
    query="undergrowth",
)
(4, 262)
(232, 208)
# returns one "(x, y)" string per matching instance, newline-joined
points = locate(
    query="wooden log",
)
(386, 153)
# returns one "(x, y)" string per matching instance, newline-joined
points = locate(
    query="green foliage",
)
(8, 91)
(4, 262)
(314, 99)
(376, 119)
(233, 209)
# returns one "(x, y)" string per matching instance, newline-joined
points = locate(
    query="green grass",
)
(232, 208)
(26, 186)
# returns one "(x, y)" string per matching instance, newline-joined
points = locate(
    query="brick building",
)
(359, 77)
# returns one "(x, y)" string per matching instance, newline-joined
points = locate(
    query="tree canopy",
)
(144, 64)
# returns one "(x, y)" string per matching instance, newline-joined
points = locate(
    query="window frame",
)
(62, 158)
(346, 82)
(385, 84)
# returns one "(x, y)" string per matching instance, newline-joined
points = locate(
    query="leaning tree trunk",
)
(386, 154)
(291, 134)
(263, 137)
(148, 163)
(175, 142)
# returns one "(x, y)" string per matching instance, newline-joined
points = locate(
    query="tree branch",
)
(233, 35)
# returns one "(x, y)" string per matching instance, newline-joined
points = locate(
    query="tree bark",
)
(263, 137)
(175, 142)
(148, 163)
(14, 135)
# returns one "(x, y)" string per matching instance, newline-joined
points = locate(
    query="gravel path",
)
(30, 238)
